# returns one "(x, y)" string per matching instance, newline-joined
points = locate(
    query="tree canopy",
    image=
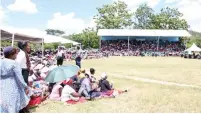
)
(143, 17)
(113, 16)
(88, 38)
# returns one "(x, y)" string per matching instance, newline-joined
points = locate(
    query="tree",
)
(49, 46)
(5, 43)
(113, 16)
(143, 16)
(91, 38)
(195, 38)
(54, 32)
(88, 38)
(168, 18)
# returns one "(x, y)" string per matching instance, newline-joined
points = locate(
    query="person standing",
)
(60, 57)
(13, 88)
(23, 59)
(78, 57)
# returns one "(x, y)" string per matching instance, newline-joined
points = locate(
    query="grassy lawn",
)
(143, 97)
(166, 69)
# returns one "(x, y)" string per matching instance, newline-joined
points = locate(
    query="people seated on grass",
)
(92, 73)
(104, 83)
(85, 86)
(56, 91)
(39, 92)
(89, 87)
(95, 90)
(69, 95)
(106, 87)
(77, 79)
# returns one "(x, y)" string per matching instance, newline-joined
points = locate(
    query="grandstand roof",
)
(143, 32)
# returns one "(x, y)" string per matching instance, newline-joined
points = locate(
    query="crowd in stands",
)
(120, 48)
(138, 48)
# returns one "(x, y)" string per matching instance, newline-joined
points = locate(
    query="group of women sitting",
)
(77, 89)
(82, 87)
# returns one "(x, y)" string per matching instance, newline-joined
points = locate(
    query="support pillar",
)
(13, 39)
(128, 43)
(158, 44)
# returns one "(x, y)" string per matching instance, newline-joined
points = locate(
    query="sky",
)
(72, 16)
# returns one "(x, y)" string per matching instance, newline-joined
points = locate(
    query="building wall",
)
(174, 39)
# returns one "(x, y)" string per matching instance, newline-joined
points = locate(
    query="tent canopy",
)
(33, 36)
(143, 32)
(194, 48)
(52, 39)
(7, 34)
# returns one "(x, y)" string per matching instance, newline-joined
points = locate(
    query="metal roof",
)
(143, 32)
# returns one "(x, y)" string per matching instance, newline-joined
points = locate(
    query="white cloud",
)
(69, 23)
(91, 23)
(26, 6)
(2, 16)
(190, 9)
(133, 4)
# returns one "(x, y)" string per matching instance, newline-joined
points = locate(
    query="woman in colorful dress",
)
(13, 88)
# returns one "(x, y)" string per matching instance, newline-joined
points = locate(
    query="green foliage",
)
(88, 38)
(67, 45)
(5, 43)
(49, 46)
(168, 18)
(195, 38)
(113, 16)
(143, 17)
(54, 32)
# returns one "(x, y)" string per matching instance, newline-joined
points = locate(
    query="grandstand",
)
(136, 40)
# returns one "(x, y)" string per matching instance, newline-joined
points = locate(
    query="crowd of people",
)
(142, 48)
(23, 85)
(23, 73)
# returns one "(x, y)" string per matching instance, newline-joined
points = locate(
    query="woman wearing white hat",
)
(106, 87)
(104, 83)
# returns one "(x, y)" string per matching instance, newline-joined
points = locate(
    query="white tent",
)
(52, 39)
(33, 35)
(16, 35)
(194, 48)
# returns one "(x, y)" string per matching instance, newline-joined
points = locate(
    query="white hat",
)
(103, 75)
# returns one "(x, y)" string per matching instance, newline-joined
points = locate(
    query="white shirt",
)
(21, 59)
(66, 94)
(60, 53)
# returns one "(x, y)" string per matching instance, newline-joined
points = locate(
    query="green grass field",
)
(143, 96)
